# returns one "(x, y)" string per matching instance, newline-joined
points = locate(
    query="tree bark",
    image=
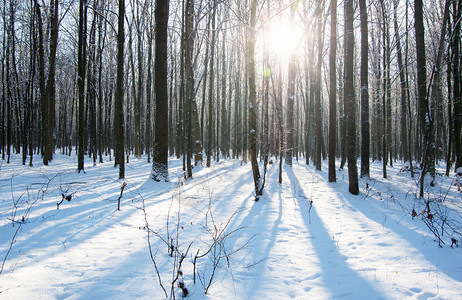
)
(119, 101)
(148, 129)
(350, 101)
(47, 86)
(317, 103)
(252, 103)
(333, 91)
(139, 97)
(81, 65)
(92, 88)
(365, 133)
(160, 157)
(189, 97)
(457, 99)
(210, 119)
(436, 89)
(425, 121)
(404, 87)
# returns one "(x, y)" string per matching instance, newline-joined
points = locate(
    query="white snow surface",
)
(344, 247)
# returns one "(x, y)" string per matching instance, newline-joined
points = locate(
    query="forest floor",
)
(304, 239)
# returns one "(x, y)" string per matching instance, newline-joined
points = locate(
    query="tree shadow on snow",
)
(337, 275)
(430, 250)
(265, 240)
(374, 211)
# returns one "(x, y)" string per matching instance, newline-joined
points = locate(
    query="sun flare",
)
(284, 39)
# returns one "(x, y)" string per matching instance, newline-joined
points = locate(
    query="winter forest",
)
(241, 149)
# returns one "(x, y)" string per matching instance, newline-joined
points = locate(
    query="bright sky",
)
(284, 38)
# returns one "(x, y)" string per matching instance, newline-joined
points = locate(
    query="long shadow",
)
(201, 175)
(67, 227)
(338, 277)
(266, 238)
(125, 268)
(233, 189)
(134, 271)
(266, 229)
(241, 208)
(261, 231)
(74, 222)
(429, 250)
(445, 264)
(95, 280)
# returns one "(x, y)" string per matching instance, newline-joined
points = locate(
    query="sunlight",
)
(284, 39)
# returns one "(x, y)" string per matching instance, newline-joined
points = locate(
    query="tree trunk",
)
(148, 134)
(333, 91)
(47, 86)
(119, 101)
(387, 103)
(252, 103)
(81, 65)
(408, 93)
(450, 106)
(160, 156)
(204, 86)
(404, 87)
(365, 134)
(138, 99)
(457, 99)
(317, 104)
(101, 42)
(189, 97)
(50, 89)
(237, 109)
(350, 101)
(224, 74)
(424, 114)
(92, 88)
(385, 91)
(436, 89)
(290, 111)
(210, 118)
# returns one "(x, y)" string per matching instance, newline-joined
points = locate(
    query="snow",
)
(304, 239)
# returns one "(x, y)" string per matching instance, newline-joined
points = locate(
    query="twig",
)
(150, 248)
(13, 239)
(24, 217)
(121, 192)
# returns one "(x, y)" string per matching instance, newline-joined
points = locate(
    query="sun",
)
(283, 38)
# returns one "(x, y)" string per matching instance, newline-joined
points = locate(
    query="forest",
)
(377, 80)
(361, 91)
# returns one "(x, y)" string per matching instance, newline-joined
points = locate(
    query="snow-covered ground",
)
(304, 239)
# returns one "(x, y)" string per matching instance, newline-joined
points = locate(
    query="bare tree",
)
(457, 98)
(365, 135)
(290, 102)
(252, 103)
(160, 157)
(350, 99)
(47, 86)
(188, 44)
(81, 65)
(404, 86)
(318, 95)
(333, 90)
(211, 84)
(425, 121)
(119, 101)
(148, 129)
